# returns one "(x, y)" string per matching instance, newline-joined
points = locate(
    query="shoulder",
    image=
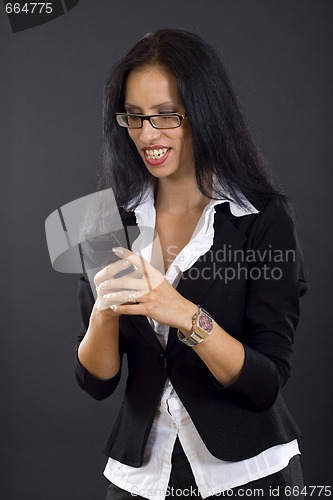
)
(276, 206)
(276, 217)
(274, 235)
(273, 213)
(272, 227)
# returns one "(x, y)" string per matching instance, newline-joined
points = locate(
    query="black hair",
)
(221, 139)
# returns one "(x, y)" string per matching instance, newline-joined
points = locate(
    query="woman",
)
(208, 312)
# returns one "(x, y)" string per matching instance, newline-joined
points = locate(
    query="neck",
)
(179, 197)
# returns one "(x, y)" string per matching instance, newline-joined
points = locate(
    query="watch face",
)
(205, 322)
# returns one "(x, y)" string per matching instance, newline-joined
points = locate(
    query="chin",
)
(160, 171)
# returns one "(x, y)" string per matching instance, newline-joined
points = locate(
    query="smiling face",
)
(152, 90)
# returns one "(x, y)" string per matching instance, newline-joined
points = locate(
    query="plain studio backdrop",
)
(278, 54)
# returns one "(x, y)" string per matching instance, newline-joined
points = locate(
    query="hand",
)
(144, 291)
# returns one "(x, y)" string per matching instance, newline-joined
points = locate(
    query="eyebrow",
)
(154, 107)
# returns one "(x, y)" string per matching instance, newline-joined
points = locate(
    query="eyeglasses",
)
(128, 120)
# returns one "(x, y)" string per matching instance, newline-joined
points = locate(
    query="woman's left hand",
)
(153, 295)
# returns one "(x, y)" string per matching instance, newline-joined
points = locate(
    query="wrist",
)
(185, 325)
(103, 316)
(202, 326)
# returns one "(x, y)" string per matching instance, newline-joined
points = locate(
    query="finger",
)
(122, 252)
(102, 305)
(135, 259)
(126, 283)
(153, 277)
(130, 309)
(123, 296)
(111, 270)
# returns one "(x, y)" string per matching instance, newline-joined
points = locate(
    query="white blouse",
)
(212, 475)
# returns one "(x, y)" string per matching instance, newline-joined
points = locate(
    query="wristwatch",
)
(202, 325)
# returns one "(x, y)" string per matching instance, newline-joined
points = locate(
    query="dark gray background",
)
(279, 57)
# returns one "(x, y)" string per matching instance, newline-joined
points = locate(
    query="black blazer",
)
(259, 306)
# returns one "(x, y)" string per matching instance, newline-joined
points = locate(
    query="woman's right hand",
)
(104, 285)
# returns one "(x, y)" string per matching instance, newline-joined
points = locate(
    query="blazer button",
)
(164, 362)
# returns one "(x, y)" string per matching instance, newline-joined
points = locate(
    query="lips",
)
(156, 155)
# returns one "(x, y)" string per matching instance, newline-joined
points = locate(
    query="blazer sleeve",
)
(276, 282)
(97, 388)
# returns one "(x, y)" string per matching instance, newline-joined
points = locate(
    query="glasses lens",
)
(165, 121)
(129, 121)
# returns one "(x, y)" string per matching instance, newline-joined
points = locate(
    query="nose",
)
(148, 132)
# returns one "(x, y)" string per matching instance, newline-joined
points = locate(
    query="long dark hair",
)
(222, 143)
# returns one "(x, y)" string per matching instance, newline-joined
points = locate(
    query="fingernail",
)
(117, 250)
(113, 307)
(107, 296)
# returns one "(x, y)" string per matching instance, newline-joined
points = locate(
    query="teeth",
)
(155, 154)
